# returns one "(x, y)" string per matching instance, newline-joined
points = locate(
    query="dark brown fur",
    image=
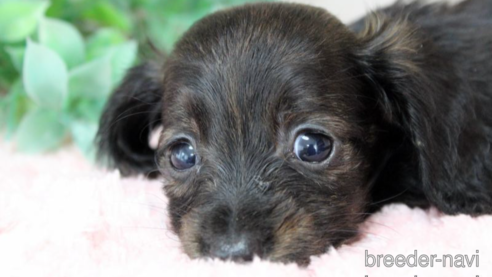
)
(405, 95)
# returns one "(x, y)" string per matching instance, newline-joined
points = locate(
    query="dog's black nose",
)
(238, 250)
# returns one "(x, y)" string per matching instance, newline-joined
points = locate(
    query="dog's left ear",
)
(413, 86)
(132, 112)
(391, 58)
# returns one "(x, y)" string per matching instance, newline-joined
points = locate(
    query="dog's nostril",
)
(238, 250)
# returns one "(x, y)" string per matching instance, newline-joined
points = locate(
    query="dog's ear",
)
(413, 87)
(391, 57)
(132, 112)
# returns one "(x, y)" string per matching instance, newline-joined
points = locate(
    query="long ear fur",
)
(129, 117)
(420, 93)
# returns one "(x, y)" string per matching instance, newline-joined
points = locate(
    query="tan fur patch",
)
(287, 237)
(188, 235)
(396, 38)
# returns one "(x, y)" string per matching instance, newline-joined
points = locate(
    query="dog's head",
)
(275, 124)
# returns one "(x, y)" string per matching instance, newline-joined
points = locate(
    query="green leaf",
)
(8, 73)
(100, 42)
(108, 15)
(86, 109)
(39, 131)
(122, 58)
(166, 31)
(45, 76)
(16, 105)
(18, 19)
(91, 80)
(3, 113)
(122, 55)
(16, 54)
(83, 134)
(64, 39)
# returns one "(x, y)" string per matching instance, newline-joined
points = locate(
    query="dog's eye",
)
(183, 156)
(312, 147)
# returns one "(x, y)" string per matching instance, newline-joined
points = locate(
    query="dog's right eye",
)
(183, 156)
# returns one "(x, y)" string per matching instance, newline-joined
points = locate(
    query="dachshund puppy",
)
(282, 128)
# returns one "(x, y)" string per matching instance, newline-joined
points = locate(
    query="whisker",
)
(380, 224)
(389, 198)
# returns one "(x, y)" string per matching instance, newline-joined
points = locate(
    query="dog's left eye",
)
(183, 156)
(312, 147)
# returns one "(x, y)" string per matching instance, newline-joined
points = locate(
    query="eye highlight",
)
(183, 156)
(313, 147)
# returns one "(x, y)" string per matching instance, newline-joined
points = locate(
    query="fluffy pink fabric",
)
(59, 216)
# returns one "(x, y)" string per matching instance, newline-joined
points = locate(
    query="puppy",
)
(283, 128)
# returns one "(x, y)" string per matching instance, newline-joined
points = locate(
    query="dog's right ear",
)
(132, 112)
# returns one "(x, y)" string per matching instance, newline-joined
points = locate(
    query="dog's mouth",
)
(288, 234)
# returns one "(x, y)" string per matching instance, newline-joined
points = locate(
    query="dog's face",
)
(270, 141)
(266, 145)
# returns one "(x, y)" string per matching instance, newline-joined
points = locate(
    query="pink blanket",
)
(59, 216)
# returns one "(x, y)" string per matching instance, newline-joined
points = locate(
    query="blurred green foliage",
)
(60, 59)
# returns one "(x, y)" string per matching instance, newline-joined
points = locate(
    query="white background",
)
(351, 10)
